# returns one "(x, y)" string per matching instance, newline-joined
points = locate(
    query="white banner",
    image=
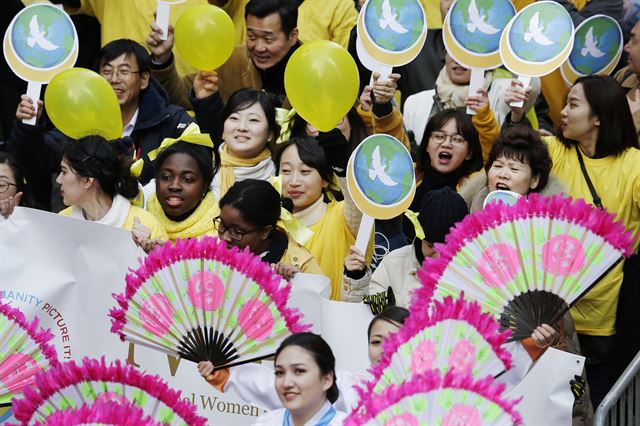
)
(64, 270)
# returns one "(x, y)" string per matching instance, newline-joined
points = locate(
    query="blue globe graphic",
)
(43, 36)
(607, 37)
(408, 16)
(496, 14)
(554, 25)
(396, 165)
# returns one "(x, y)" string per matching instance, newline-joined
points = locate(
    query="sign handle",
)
(476, 82)
(33, 91)
(525, 79)
(162, 18)
(364, 232)
(384, 71)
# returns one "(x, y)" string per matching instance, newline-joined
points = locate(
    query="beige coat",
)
(397, 270)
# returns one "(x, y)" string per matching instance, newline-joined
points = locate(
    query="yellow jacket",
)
(143, 216)
(326, 20)
(131, 19)
(298, 256)
(617, 181)
(390, 124)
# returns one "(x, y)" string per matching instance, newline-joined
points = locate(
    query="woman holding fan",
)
(254, 382)
(595, 157)
(305, 380)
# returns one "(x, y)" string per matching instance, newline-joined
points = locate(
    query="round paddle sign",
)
(380, 177)
(392, 32)
(40, 41)
(538, 39)
(597, 48)
(472, 31)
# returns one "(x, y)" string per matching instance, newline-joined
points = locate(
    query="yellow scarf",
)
(228, 161)
(199, 223)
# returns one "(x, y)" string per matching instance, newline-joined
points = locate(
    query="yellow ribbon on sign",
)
(413, 217)
(300, 233)
(190, 135)
(285, 119)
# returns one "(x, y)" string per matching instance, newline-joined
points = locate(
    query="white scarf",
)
(116, 216)
(262, 171)
(312, 214)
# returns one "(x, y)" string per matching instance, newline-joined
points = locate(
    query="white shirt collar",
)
(312, 214)
(128, 129)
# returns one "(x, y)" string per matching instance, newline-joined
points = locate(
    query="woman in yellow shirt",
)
(97, 184)
(249, 216)
(307, 166)
(597, 129)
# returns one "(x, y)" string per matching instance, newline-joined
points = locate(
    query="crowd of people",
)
(221, 158)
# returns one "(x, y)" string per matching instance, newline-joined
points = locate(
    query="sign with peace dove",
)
(381, 181)
(597, 48)
(471, 34)
(537, 40)
(40, 41)
(390, 33)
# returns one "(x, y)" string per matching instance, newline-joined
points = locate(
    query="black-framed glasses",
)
(121, 72)
(4, 186)
(234, 233)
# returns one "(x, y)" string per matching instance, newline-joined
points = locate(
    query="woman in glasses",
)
(450, 151)
(249, 215)
(13, 187)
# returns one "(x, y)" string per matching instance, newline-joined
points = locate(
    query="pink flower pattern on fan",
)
(423, 358)
(463, 356)
(462, 415)
(112, 397)
(563, 255)
(405, 419)
(498, 264)
(256, 320)
(22, 368)
(205, 291)
(156, 314)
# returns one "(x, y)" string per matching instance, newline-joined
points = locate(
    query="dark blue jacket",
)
(40, 151)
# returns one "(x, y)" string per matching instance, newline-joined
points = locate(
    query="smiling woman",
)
(305, 382)
(249, 127)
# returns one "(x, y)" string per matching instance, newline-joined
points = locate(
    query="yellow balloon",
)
(321, 81)
(205, 37)
(80, 103)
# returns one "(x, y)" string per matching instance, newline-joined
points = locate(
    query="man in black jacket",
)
(147, 116)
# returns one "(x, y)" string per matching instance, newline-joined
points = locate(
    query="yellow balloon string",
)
(285, 118)
(413, 217)
(300, 233)
(190, 135)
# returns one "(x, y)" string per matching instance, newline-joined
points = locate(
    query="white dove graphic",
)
(388, 19)
(590, 46)
(378, 170)
(36, 36)
(477, 21)
(535, 32)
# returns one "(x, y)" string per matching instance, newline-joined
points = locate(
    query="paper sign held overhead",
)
(597, 48)
(40, 41)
